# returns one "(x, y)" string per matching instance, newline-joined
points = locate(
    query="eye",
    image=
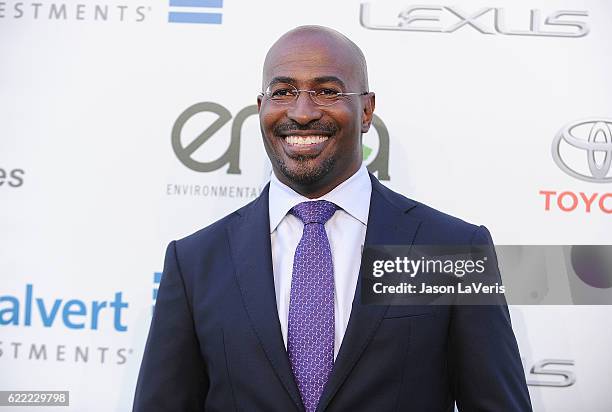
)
(327, 92)
(326, 95)
(282, 92)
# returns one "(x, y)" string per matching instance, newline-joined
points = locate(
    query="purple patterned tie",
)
(310, 336)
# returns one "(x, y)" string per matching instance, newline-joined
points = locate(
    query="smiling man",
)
(261, 311)
(314, 108)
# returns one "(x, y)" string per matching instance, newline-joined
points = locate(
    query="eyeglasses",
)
(284, 93)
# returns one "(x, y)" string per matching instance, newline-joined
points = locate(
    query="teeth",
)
(305, 140)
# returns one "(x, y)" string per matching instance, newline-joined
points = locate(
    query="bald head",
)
(317, 45)
(314, 139)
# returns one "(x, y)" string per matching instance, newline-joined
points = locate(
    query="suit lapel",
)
(387, 225)
(249, 238)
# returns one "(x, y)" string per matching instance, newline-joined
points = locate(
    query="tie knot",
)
(318, 211)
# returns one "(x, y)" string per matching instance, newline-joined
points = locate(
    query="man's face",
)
(314, 148)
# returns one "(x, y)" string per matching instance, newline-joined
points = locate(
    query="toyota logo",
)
(594, 136)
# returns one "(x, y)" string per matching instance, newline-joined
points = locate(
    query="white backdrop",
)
(91, 189)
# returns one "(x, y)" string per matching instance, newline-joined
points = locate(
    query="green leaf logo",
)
(367, 151)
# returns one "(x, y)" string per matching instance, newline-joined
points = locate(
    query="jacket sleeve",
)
(172, 373)
(484, 359)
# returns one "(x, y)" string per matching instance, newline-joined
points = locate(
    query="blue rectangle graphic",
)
(157, 277)
(154, 294)
(200, 18)
(197, 3)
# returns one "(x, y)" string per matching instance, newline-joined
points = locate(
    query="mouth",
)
(304, 143)
(307, 140)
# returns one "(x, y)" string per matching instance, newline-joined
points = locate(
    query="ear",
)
(368, 112)
(259, 99)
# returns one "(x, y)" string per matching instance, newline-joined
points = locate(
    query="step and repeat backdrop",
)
(125, 124)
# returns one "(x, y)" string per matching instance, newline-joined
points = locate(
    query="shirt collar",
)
(352, 195)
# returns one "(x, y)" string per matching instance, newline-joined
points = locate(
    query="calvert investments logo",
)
(583, 150)
(486, 20)
(190, 11)
(37, 311)
(61, 12)
(72, 313)
(178, 11)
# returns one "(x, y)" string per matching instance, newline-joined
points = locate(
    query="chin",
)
(306, 172)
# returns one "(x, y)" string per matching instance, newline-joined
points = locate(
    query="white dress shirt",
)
(346, 232)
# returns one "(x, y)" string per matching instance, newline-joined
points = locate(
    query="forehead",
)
(308, 57)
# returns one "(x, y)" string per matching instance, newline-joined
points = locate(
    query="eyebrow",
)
(317, 80)
(282, 79)
(329, 79)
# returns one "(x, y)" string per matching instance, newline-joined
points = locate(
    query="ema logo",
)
(377, 160)
(198, 17)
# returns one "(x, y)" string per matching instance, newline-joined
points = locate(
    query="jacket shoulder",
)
(433, 220)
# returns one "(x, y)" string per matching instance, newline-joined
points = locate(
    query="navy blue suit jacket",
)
(215, 341)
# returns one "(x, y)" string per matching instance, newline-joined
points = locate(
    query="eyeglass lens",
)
(284, 93)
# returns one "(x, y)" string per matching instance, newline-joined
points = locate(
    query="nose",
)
(303, 110)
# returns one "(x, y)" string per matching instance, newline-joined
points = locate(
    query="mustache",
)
(315, 125)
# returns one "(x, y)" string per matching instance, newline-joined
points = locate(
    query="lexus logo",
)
(593, 137)
(486, 20)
